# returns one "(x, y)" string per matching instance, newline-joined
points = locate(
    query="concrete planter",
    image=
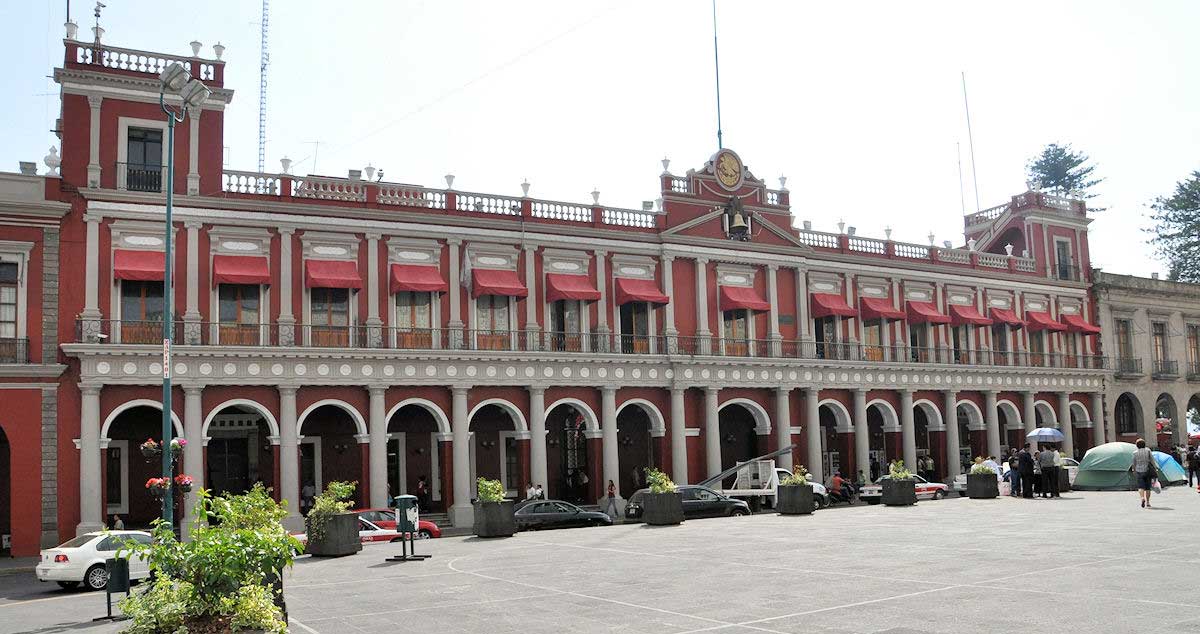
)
(662, 509)
(494, 519)
(899, 492)
(794, 499)
(982, 486)
(340, 538)
(1064, 480)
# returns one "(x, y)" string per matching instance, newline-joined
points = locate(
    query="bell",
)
(738, 224)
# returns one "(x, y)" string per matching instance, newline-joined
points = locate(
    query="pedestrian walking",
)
(1143, 471)
(117, 524)
(1014, 475)
(530, 492)
(1025, 471)
(610, 507)
(538, 493)
(1046, 459)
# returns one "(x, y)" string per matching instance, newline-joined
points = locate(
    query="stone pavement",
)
(1090, 562)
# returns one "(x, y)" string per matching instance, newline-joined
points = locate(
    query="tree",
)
(1063, 171)
(1177, 229)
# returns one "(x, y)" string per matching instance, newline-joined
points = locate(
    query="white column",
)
(455, 322)
(812, 429)
(91, 517)
(193, 452)
(993, 424)
(712, 431)
(191, 314)
(608, 429)
(373, 280)
(1099, 430)
(537, 435)
(702, 300)
(93, 168)
(193, 177)
(802, 326)
(461, 513)
(377, 449)
(773, 299)
(1029, 416)
(862, 435)
(908, 432)
(287, 321)
(91, 288)
(289, 457)
(953, 443)
(531, 302)
(679, 457)
(1064, 423)
(783, 424)
(668, 281)
(602, 286)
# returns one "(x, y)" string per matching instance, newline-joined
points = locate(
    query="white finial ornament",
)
(783, 183)
(52, 161)
(887, 232)
(595, 197)
(195, 44)
(525, 188)
(449, 181)
(218, 50)
(931, 238)
(841, 226)
(666, 165)
(971, 244)
(1008, 248)
(286, 164)
(369, 170)
(72, 29)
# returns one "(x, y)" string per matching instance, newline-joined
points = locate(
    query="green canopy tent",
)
(1106, 468)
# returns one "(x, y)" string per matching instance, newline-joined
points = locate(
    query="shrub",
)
(798, 477)
(658, 481)
(980, 468)
(334, 500)
(490, 490)
(898, 471)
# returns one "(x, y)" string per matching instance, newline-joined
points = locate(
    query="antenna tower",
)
(262, 91)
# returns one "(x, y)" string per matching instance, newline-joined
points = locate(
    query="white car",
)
(82, 560)
(873, 493)
(820, 494)
(368, 533)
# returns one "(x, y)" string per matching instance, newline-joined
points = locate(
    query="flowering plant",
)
(158, 485)
(184, 480)
(150, 448)
(177, 444)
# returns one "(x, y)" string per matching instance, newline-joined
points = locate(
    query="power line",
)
(970, 142)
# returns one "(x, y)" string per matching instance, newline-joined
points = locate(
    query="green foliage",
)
(1176, 231)
(798, 477)
(237, 542)
(334, 500)
(658, 481)
(980, 468)
(1063, 171)
(490, 490)
(898, 471)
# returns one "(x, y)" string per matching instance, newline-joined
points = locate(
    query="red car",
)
(386, 519)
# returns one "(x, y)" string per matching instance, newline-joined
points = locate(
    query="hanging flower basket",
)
(158, 487)
(177, 446)
(151, 449)
(184, 482)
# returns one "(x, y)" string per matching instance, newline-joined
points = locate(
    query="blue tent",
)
(1169, 469)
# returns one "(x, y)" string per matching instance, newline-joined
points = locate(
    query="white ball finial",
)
(52, 161)
(525, 188)
(286, 164)
(195, 44)
(218, 50)
(450, 181)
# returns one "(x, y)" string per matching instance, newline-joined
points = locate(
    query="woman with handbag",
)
(1144, 472)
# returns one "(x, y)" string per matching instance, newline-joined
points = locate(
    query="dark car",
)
(540, 514)
(698, 501)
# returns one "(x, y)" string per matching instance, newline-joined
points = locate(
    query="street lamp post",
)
(176, 80)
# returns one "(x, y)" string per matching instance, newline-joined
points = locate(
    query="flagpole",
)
(717, 68)
(970, 141)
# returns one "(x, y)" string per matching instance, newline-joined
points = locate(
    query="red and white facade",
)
(344, 328)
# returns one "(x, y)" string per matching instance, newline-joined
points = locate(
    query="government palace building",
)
(349, 328)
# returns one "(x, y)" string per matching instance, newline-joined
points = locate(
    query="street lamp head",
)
(174, 77)
(194, 93)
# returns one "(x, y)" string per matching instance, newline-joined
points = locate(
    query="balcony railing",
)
(1128, 366)
(1068, 273)
(1193, 371)
(1164, 369)
(139, 177)
(360, 336)
(14, 350)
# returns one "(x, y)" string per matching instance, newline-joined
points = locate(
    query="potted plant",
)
(217, 580)
(794, 495)
(331, 530)
(982, 483)
(1064, 478)
(184, 482)
(899, 489)
(158, 487)
(493, 513)
(150, 449)
(662, 505)
(177, 445)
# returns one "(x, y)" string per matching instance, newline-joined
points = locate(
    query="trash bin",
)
(407, 514)
(118, 575)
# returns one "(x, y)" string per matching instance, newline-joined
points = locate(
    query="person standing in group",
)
(930, 469)
(530, 492)
(610, 506)
(422, 493)
(1025, 471)
(1143, 471)
(538, 493)
(1046, 460)
(1193, 458)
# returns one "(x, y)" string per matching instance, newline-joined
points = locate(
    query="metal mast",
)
(262, 91)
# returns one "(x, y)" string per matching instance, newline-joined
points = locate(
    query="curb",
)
(12, 572)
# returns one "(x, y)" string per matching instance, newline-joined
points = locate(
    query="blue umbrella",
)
(1045, 434)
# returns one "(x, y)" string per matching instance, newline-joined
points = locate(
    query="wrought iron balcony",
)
(1165, 369)
(1128, 367)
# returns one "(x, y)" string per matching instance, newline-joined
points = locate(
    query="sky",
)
(859, 104)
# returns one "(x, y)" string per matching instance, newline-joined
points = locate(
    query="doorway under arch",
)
(837, 448)
(570, 453)
(636, 447)
(414, 453)
(496, 448)
(239, 448)
(884, 442)
(330, 450)
(1127, 417)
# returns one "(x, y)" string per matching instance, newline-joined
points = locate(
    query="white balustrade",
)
(1026, 265)
(409, 196)
(561, 211)
(868, 245)
(914, 251)
(680, 185)
(488, 204)
(250, 183)
(819, 239)
(628, 218)
(993, 260)
(319, 188)
(954, 256)
(772, 197)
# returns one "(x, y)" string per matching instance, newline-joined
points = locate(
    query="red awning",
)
(925, 313)
(564, 286)
(331, 274)
(1043, 321)
(830, 305)
(1006, 316)
(961, 315)
(418, 278)
(742, 298)
(1076, 323)
(496, 282)
(635, 290)
(240, 269)
(877, 308)
(143, 266)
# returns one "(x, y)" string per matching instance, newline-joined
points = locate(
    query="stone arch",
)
(1047, 412)
(840, 413)
(1012, 414)
(515, 414)
(1079, 414)
(891, 421)
(762, 420)
(590, 422)
(932, 414)
(138, 402)
(658, 425)
(439, 416)
(254, 405)
(975, 420)
(1127, 405)
(359, 423)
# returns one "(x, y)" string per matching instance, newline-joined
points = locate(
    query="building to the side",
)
(346, 328)
(1152, 336)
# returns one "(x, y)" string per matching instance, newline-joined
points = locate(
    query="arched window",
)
(1126, 416)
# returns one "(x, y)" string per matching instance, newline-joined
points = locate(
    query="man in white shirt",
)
(530, 492)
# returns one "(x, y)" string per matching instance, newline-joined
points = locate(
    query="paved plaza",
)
(1090, 562)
